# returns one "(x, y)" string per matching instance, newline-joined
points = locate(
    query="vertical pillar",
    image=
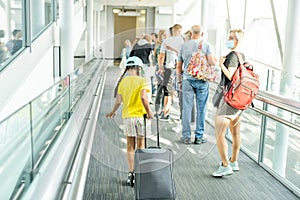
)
(66, 36)
(203, 16)
(174, 13)
(98, 25)
(95, 33)
(286, 83)
(89, 30)
(8, 32)
(38, 16)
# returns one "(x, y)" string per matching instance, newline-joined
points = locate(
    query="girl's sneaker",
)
(234, 165)
(130, 179)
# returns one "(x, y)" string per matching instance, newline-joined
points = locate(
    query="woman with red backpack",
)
(227, 115)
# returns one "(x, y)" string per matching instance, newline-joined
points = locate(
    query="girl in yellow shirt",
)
(132, 91)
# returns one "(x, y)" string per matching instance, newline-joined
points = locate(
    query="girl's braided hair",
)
(122, 76)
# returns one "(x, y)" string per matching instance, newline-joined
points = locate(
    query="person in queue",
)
(192, 87)
(227, 116)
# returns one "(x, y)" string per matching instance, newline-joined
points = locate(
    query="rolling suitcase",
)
(154, 171)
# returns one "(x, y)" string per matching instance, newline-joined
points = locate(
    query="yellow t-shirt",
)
(130, 89)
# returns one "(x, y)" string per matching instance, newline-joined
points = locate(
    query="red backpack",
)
(243, 87)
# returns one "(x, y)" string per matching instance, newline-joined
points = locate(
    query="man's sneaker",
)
(165, 118)
(200, 140)
(185, 140)
(234, 165)
(223, 171)
(130, 179)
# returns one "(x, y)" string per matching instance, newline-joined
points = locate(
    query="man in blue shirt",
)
(16, 43)
(191, 86)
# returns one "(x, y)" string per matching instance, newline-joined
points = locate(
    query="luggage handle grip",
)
(145, 130)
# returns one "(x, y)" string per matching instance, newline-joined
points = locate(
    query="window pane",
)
(10, 30)
(42, 15)
(282, 152)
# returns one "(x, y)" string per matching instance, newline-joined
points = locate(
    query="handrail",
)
(262, 63)
(279, 101)
(276, 118)
(33, 99)
(78, 170)
(269, 66)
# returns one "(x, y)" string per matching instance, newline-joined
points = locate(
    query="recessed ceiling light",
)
(115, 10)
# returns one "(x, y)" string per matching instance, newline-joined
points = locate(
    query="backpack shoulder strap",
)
(238, 54)
(200, 45)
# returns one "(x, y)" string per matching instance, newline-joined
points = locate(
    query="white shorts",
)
(134, 127)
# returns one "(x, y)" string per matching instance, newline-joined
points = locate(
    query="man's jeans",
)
(190, 88)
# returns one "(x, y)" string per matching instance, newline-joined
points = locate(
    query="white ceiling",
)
(138, 3)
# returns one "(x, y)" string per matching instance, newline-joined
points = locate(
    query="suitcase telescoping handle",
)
(157, 129)
(145, 130)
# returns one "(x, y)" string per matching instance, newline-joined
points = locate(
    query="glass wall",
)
(42, 15)
(27, 136)
(12, 25)
(11, 30)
